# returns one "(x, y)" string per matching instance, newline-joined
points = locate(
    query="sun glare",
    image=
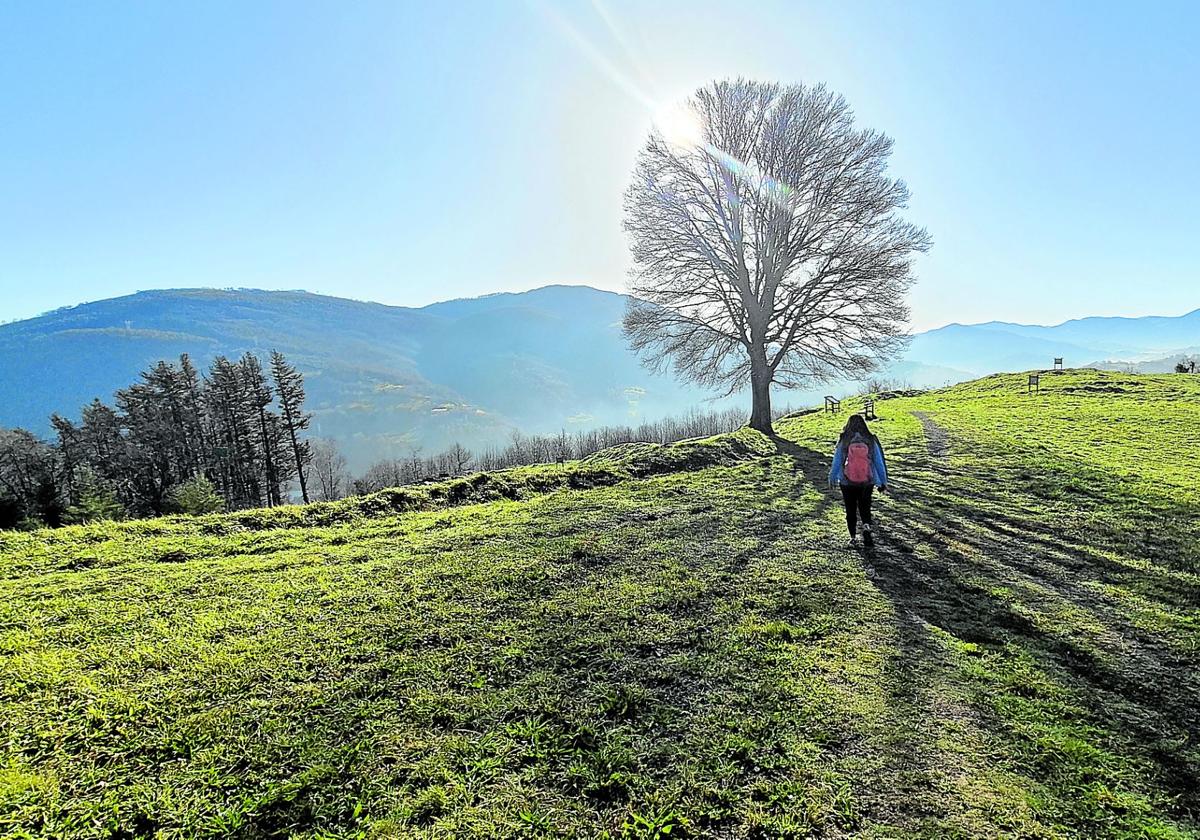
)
(679, 125)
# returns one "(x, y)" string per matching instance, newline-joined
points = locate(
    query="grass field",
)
(658, 642)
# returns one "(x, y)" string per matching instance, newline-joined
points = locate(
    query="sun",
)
(679, 125)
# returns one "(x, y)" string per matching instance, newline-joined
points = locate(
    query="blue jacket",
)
(879, 476)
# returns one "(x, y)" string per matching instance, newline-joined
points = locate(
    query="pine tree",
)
(96, 503)
(70, 455)
(195, 428)
(152, 412)
(172, 428)
(258, 396)
(105, 451)
(197, 496)
(233, 421)
(281, 453)
(289, 385)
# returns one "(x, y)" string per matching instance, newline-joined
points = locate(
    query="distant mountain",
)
(993, 347)
(1121, 336)
(381, 379)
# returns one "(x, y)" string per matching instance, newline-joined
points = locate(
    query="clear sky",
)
(407, 152)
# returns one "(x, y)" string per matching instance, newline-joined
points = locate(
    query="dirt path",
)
(935, 436)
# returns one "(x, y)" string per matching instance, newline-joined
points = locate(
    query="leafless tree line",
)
(329, 478)
(883, 384)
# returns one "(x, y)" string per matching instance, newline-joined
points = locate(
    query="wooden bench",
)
(832, 405)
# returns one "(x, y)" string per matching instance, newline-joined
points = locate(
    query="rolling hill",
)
(652, 642)
(381, 379)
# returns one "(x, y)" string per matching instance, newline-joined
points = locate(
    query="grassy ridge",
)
(188, 537)
(668, 638)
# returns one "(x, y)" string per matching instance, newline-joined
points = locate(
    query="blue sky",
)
(412, 152)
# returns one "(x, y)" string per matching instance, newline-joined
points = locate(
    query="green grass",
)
(655, 642)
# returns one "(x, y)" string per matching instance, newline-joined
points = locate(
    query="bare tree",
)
(768, 247)
(328, 466)
(415, 468)
(460, 458)
(560, 447)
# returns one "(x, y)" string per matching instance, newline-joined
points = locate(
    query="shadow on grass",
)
(632, 686)
(591, 656)
(812, 466)
(1008, 582)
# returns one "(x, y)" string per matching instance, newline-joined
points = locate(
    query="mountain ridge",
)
(386, 379)
(382, 379)
(490, 296)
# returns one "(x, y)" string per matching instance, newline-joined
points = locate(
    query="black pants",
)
(857, 498)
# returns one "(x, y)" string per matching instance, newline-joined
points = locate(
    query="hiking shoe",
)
(868, 537)
(854, 541)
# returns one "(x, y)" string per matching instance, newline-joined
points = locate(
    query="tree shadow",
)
(953, 559)
(810, 465)
(555, 644)
(985, 557)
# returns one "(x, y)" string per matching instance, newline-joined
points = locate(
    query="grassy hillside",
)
(661, 641)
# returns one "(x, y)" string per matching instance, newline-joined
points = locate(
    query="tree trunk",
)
(760, 392)
(272, 484)
(299, 460)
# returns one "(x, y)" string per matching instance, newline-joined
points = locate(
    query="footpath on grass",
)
(935, 436)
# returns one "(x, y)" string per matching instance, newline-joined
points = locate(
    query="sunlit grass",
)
(657, 642)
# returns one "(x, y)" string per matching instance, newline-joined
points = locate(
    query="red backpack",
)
(858, 461)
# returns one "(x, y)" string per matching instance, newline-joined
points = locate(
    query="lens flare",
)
(677, 122)
(679, 125)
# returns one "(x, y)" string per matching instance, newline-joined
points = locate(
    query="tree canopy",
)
(769, 247)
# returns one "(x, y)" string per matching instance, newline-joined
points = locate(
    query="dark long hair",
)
(855, 425)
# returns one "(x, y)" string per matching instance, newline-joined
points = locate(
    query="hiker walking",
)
(858, 468)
